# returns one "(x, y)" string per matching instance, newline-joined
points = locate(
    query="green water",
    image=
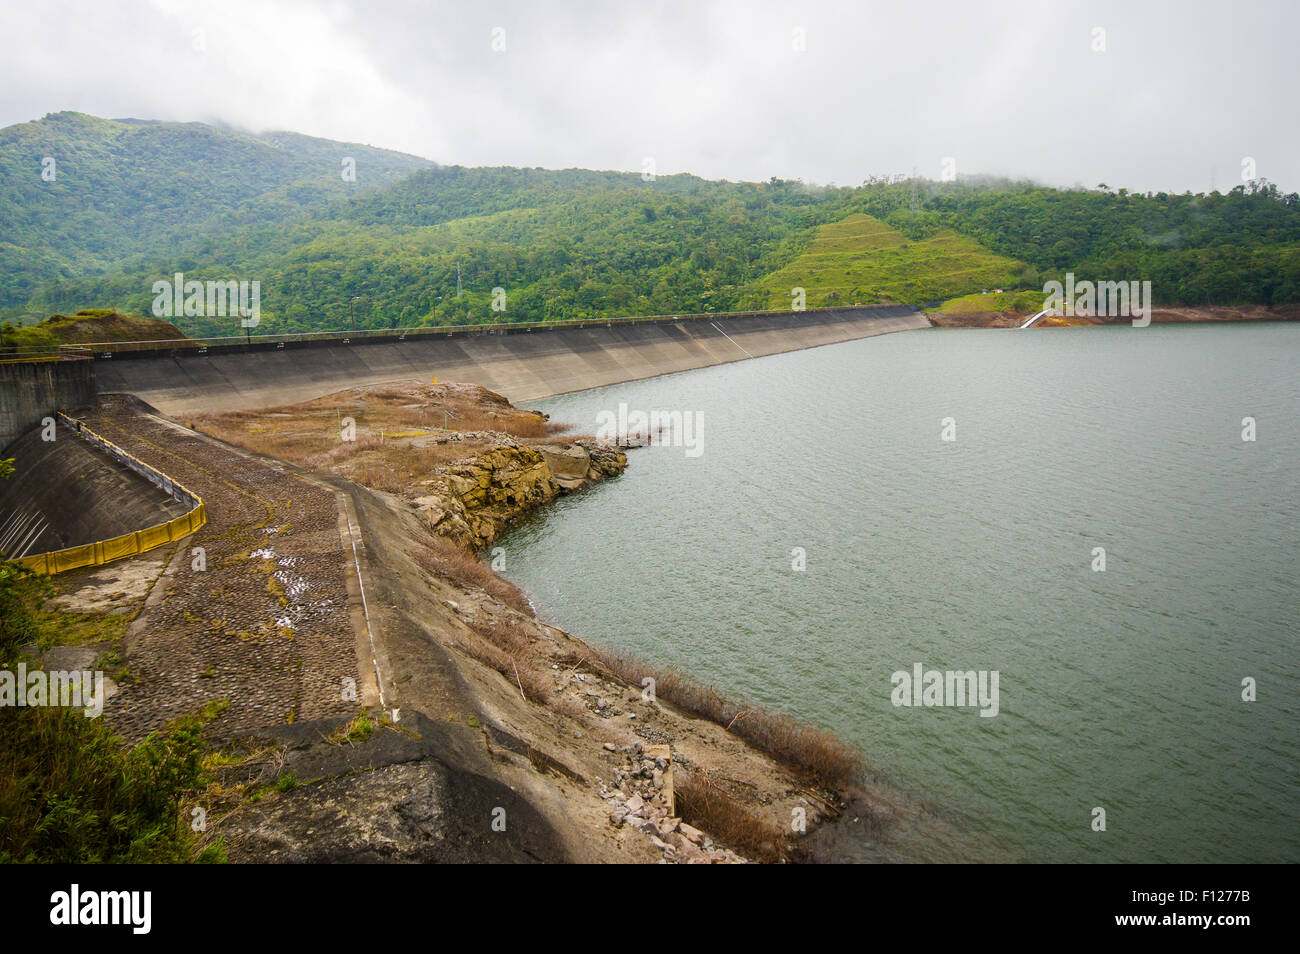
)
(1118, 689)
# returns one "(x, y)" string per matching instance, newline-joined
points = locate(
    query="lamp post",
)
(353, 311)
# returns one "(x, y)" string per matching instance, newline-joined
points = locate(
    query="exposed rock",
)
(647, 809)
(691, 833)
(473, 500)
(393, 797)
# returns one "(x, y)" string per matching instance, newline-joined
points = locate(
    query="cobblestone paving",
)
(266, 624)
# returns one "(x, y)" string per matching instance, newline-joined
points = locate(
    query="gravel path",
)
(265, 625)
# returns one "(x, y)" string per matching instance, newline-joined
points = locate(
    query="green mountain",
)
(134, 203)
(119, 190)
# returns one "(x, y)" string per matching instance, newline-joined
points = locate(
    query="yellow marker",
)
(435, 380)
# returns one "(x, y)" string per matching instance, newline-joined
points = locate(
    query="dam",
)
(520, 362)
(312, 608)
(66, 495)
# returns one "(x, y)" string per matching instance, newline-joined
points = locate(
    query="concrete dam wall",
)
(31, 390)
(522, 364)
(64, 493)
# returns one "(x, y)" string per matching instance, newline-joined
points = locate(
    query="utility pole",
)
(458, 279)
(353, 311)
(915, 205)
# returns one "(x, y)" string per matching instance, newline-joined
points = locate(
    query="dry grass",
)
(508, 648)
(502, 644)
(516, 423)
(463, 567)
(703, 803)
(809, 748)
(308, 433)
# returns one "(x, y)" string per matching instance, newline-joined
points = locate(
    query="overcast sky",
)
(1145, 95)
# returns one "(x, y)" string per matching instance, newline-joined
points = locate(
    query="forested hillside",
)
(82, 196)
(135, 203)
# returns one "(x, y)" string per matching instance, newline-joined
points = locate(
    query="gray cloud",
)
(1182, 93)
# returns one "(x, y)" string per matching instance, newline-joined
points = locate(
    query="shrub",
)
(808, 748)
(70, 792)
(703, 803)
(462, 566)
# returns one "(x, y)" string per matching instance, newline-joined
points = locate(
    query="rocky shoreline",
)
(615, 772)
(472, 501)
(1191, 314)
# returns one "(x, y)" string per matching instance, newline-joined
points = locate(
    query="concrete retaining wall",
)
(522, 365)
(65, 493)
(31, 390)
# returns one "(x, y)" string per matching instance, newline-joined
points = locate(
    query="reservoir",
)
(1094, 530)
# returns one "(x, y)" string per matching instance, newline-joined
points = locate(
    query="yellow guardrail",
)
(128, 544)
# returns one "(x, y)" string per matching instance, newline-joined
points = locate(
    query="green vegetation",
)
(127, 189)
(1019, 302)
(87, 325)
(357, 730)
(134, 203)
(70, 790)
(861, 260)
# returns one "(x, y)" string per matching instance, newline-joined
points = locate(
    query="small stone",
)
(635, 804)
(692, 833)
(611, 747)
(688, 851)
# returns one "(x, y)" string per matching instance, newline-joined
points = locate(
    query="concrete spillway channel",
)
(64, 493)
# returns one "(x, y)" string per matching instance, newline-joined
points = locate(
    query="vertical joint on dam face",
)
(32, 390)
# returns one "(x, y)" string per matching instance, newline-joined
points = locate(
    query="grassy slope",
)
(91, 326)
(861, 259)
(1021, 302)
